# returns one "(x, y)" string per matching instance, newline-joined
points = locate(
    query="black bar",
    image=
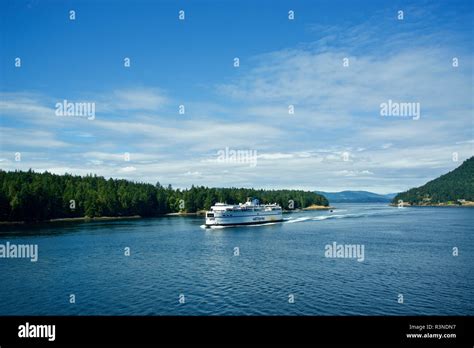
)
(241, 330)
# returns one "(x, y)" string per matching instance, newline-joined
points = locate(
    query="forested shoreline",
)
(31, 197)
(453, 188)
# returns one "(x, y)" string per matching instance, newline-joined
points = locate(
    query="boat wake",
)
(300, 219)
(337, 216)
(211, 227)
(292, 220)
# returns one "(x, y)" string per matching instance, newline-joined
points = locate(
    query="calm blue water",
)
(407, 251)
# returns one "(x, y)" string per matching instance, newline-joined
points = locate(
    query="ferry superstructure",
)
(249, 213)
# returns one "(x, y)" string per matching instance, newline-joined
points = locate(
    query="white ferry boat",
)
(249, 213)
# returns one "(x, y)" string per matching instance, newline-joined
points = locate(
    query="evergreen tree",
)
(30, 196)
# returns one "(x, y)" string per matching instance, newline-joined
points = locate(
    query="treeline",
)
(30, 196)
(451, 187)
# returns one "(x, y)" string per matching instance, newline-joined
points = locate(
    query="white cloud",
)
(21, 139)
(128, 169)
(136, 99)
(353, 172)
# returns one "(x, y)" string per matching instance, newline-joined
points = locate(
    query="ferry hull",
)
(243, 220)
(244, 223)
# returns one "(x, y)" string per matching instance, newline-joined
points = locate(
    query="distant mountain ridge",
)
(356, 197)
(453, 188)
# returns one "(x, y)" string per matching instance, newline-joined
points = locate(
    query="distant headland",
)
(454, 189)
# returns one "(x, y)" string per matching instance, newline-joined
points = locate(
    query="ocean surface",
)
(277, 269)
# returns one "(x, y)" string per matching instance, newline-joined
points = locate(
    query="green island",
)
(455, 188)
(34, 197)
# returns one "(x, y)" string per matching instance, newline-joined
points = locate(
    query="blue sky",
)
(335, 140)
